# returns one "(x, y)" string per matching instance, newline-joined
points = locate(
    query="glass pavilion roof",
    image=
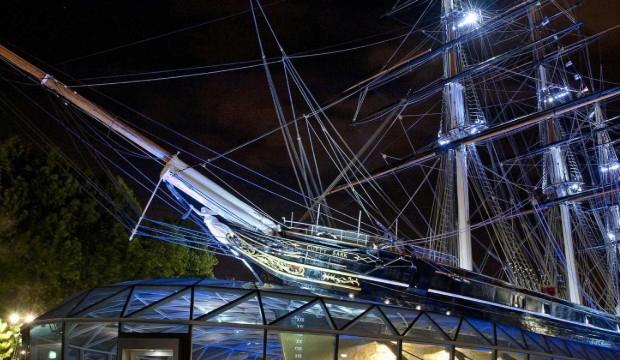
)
(232, 318)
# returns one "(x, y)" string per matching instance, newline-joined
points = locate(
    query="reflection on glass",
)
(94, 340)
(359, 348)
(46, 341)
(472, 354)
(509, 355)
(211, 343)
(414, 351)
(150, 354)
(302, 346)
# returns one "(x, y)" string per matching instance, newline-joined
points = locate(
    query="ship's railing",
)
(484, 292)
(357, 238)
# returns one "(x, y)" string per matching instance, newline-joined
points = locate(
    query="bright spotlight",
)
(29, 318)
(471, 17)
(14, 318)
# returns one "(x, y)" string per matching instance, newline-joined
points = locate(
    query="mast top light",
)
(471, 17)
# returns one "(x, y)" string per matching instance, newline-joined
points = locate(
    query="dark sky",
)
(221, 111)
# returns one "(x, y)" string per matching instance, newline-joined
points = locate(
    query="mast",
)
(609, 171)
(176, 172)
(557, 178)
(455, 121)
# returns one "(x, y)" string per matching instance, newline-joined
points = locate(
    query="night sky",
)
(78, 41)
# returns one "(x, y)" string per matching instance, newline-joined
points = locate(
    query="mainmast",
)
(558, 179)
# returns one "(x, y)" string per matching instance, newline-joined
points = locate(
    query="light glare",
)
(471, 17)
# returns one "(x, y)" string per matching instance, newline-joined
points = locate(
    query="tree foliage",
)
(55, 239)
(9, 339)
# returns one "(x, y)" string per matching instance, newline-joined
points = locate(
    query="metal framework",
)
(227, 319)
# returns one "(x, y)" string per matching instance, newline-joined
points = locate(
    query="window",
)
(473, 353)
(414, 351)
(46, 342)
(148, 348)
(300, 346)
(359, 348)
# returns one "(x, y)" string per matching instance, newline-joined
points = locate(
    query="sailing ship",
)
(524, 146)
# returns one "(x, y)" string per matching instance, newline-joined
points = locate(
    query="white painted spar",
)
(176, 172)
(209, 194)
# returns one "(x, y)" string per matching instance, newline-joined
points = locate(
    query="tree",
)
(55, 239)
(9, 339)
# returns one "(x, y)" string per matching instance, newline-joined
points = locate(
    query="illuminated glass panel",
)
(64, 309)
(247, 311)
(535, 341)
(143, 328)
(508, 336)
(400, 318)
(174, 308)
(46, 342)
(424, 329)
(576, 349)
(414, 351)
(473, 353)
(514, 333)
(449, 324)
(95, 296)
(279, 305)
(144, 296)
(343, 312)
(509, 355)
(557, 346)
(207, 299)
(360, 348)
(109, 308)
(215, 343)
(371, 323)
(468, 334)
(311, 317)
(302, 346)
(94, 339)
(486, 328)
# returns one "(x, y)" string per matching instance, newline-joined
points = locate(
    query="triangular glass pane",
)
(576, 350)
(312, 317)
(63, 310)
(449, 324)
(109, 308)
(535, 341)
(371, 323)
(175, 308)
(276, 306)
(343, 312)
(95, 296)
(557, 346)
(424, 329)
(144, 296)
(592, 351)
(509, 336)
(209, 299)
(468, 334)
(400, 318)
(246, 311)
(486, 328)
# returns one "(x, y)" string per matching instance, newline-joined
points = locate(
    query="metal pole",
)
(454, 121)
